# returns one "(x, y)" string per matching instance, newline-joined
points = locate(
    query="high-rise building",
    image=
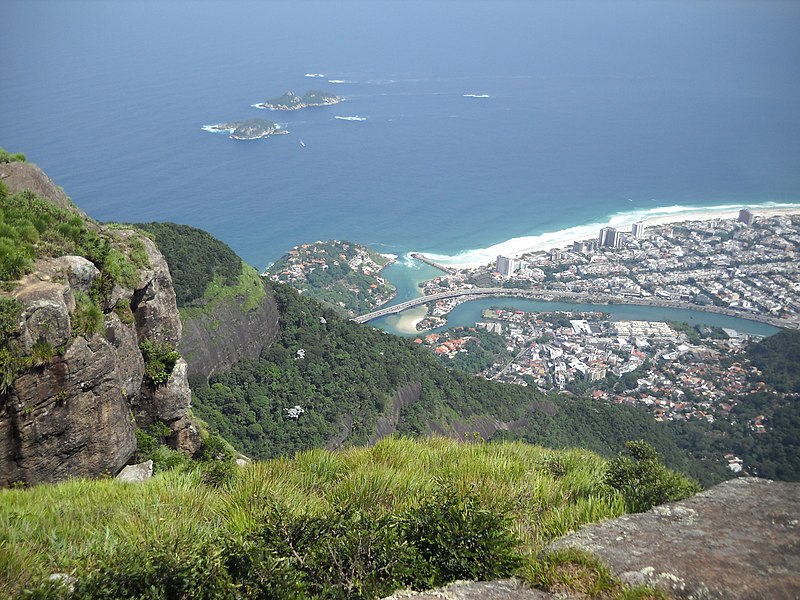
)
(637, 229)
(506, 266)
(609, 237)
(746, 217)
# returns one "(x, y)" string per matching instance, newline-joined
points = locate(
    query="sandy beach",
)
(406, 321)
(520, 246)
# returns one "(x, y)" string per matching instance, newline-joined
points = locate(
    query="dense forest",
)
(195, 259)
(328, 380)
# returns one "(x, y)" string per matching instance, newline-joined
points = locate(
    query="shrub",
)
(10, 366)
(11, 360)
(150, 446)
(41, 353)
(169, 569)
(138, 254)
(458, 538)
(643, 480)
(123, 310)
(6, 157)
(215, 448)
(215, 460)
(159, 361)
(87, 318)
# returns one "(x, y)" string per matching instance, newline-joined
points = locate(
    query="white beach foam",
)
(559, 239)
(217, 129)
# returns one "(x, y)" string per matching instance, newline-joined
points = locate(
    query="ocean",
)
(478, 122)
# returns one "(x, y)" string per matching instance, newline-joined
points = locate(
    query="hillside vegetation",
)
(195, 258)
(33, 227)
(359, 523)
(339, 273)
(344, 377)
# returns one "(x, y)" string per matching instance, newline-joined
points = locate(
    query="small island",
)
(291, 101)
(341, 274)
(252, 129)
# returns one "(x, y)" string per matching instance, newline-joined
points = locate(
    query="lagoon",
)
(468, 313)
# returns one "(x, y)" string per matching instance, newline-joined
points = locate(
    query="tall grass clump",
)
(359, 523)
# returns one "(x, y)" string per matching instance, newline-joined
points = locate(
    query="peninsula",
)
(291, 101)
(252, 129)
(341, 274)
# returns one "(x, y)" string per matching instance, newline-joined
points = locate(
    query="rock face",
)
(504, 589)
(136, 473)
(27, 176)
(737, 540)
(67, 419)
(210, 347)
(387, 422)
(75, 414)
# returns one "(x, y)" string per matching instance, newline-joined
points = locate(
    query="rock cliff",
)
(73, 411)
(27, 176)
(227, 331)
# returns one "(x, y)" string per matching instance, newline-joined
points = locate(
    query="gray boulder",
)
(136, 473)
(737, 540)
(504, 589)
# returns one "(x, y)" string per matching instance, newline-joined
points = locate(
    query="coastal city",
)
(676, 370)
(743, 267)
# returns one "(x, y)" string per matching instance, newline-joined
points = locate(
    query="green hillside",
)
(195, 258)
(347, 375)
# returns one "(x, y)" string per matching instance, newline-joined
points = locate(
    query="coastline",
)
(516, 247)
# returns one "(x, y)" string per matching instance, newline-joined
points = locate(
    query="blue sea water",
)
(593, 109)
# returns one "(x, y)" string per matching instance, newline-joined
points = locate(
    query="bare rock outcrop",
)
(737, 540)
(503, 589)
(227, 332)
(169, 404)
(72, 413)
(153, 301)
(20, 176)
(67, 419)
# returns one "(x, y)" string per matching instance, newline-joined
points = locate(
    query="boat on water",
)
(302, 143)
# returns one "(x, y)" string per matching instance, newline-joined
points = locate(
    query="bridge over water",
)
(476, 292)
(542, 294)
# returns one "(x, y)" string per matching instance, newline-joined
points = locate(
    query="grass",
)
(249, 290)
(76, 527)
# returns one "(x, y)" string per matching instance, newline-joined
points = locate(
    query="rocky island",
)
(342, 274)
(252, 129)
(291, 101)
